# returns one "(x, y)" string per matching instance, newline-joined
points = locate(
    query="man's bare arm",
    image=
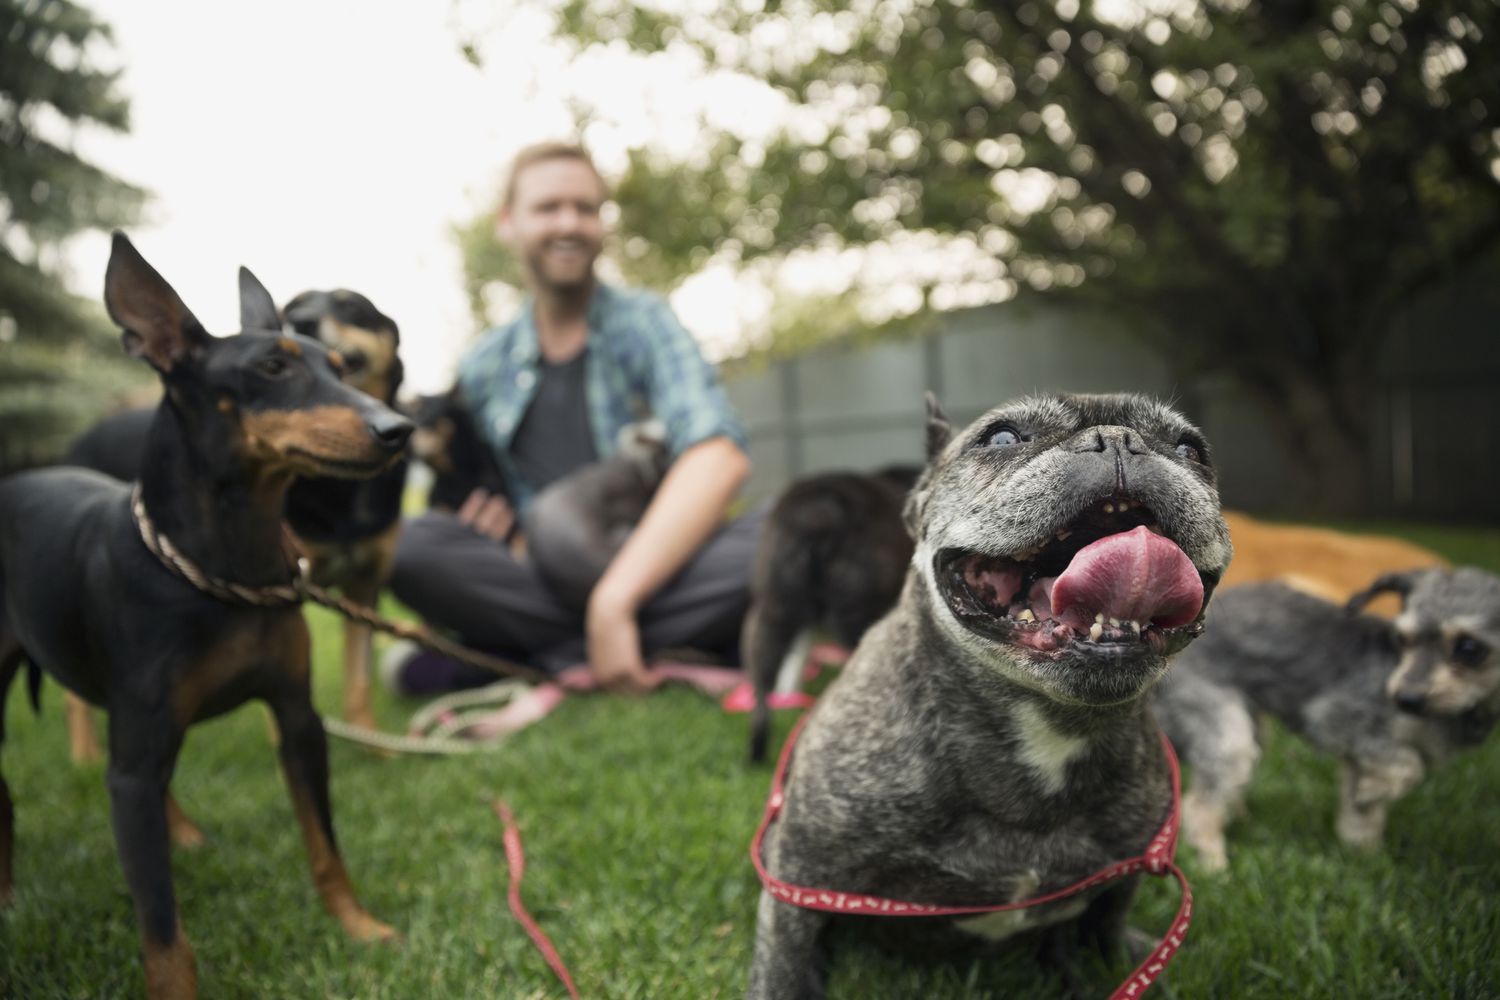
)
(688, 508)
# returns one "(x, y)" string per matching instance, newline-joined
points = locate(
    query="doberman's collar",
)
(275, 596)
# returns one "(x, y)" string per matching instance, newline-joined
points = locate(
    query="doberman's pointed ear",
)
(939, 430)
(257, 308)
(158, 327)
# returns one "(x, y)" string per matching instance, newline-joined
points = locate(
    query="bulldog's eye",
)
(1187, 449)
(1002, 436)
(1469, 651)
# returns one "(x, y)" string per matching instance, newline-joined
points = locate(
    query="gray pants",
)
(460, 580)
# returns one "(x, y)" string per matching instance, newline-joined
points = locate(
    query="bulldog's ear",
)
(939, 430)
(1390, 583)
(157, 327)
(911, 510)
(257, 308)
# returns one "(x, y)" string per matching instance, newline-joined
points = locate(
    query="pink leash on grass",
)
(515, 858)
(1157, 860)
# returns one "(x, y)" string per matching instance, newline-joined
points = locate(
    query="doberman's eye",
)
(1002, 436)
(1469, 651)
(354, 362)
(1189, 450)
(273, 366)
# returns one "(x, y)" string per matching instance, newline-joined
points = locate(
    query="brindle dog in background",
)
(833, 554)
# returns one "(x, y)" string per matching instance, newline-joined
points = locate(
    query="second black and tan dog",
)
(991, 739)
(348, 528)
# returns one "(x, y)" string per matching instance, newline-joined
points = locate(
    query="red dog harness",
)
(1157, 860)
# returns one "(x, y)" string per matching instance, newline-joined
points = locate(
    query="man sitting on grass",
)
(550, 392)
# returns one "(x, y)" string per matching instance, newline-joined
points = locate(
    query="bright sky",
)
(334, 143)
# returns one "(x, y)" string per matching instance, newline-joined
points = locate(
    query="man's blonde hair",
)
(540, 153)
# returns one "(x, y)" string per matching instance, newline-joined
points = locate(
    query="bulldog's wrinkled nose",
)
(1108, 437)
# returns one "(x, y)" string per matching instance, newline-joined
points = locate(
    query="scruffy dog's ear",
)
(1389, 583)
(939, 430)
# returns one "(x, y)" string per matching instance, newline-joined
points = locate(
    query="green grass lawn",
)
(636, 815)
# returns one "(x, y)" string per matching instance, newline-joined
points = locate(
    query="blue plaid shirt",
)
(641, 363)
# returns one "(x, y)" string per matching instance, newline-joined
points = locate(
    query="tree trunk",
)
(1325, 428)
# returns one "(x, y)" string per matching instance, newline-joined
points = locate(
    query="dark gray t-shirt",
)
(553, 437)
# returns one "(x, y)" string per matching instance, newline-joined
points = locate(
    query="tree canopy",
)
(51, 85)
(1255, 184)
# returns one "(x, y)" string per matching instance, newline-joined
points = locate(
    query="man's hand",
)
(688, 508)
(614, 644)
(488, 514)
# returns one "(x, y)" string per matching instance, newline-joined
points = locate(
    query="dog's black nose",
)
(390, 429)
(1411, 701)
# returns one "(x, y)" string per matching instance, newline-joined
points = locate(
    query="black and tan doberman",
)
(87, 601)
(347, 527)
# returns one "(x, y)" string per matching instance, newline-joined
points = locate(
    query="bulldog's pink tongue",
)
(1133, 576)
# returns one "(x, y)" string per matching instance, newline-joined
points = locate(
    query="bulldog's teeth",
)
(1135, 627)
(1026, 615)
(1099, 618)
(1109, 508)
(1095, 631)
(1063, 534)
(1114, 623)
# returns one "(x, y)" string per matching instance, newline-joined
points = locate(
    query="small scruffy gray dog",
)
(1389, 699)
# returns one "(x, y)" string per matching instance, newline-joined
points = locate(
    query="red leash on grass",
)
(515, 858)
(1157, 860)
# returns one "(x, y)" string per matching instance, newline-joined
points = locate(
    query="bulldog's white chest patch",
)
(1045, 750)
(999, 926)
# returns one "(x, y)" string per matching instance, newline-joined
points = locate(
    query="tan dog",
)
(1333, 565)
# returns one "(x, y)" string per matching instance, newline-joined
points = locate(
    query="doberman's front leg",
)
(143, 753)
(304, 758)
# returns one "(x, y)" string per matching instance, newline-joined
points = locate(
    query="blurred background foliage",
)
(1255, 186)
(59, 359)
